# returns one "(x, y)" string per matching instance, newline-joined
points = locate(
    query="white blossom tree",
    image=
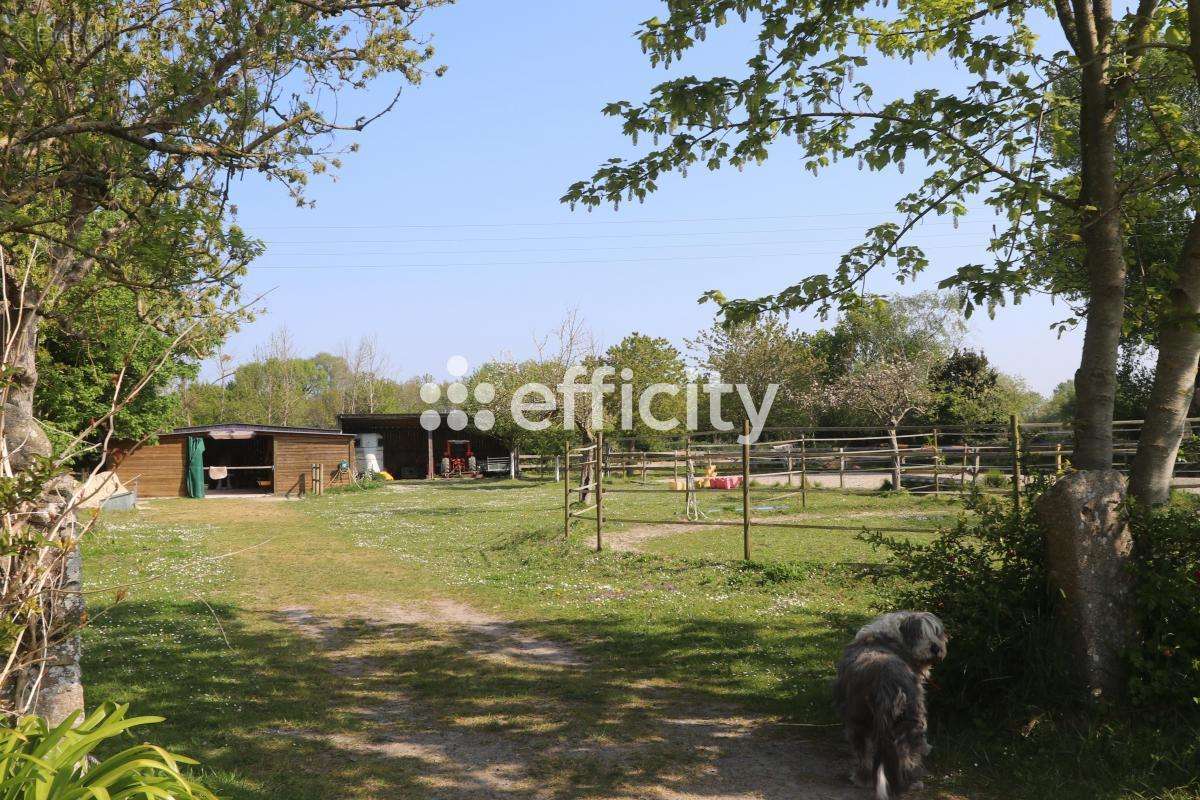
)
(887, 390)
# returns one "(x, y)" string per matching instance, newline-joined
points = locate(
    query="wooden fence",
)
(787, 463)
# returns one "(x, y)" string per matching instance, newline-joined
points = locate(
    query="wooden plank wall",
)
(296, 453)
(159, 468)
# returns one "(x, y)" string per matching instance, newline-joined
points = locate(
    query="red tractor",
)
(458, 460)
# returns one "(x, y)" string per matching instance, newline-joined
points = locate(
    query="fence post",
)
(687, 465)
(936, 474)
(643, 466)
(746, 489)
(841, 467)
(599, 489)
(962, 476)
(791, 466)
(566, 480)
(1058, 458)
(512, 466)
(1015, 436)
(803, 473)
(557, 468)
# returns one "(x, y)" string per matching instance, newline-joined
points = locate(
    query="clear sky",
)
(444, 234)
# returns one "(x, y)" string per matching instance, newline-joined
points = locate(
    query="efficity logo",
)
(457, 393)
(574, 401)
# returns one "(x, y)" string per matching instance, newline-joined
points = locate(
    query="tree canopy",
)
(1032, 130)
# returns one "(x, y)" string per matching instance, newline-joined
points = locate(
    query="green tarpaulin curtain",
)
(195, 466)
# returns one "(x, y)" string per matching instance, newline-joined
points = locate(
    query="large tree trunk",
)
(1174, 380)
(1088, 545)
(1095, 381)
(53, 687)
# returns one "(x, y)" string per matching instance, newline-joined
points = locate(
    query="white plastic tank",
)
(369, 460)
(370, 441)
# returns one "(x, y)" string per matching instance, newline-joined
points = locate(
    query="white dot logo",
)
(457, 394)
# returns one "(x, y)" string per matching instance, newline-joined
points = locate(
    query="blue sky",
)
(444, 234)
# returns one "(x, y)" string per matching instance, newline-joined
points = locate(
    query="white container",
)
(370, 462)
(369, 441)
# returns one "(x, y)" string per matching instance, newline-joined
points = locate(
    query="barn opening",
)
(405, 449)
(238, 462)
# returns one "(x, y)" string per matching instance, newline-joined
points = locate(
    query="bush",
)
(986, 579)
(38, 762)
(368, 481)
(995, 479)
(1165, 667)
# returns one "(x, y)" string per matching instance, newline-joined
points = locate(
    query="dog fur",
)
(880, 694)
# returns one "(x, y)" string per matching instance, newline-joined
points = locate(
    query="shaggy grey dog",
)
(880, 694)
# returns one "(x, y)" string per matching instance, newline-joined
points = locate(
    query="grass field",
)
(441, 640)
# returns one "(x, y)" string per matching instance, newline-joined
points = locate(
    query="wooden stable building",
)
(410, 451)
(237, 459)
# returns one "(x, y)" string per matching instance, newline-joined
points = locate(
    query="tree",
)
(638, 362)
(968, 390)
(757, 355)
(124, 125)
(887, 391)
(1060, 407)
(81, 355)
(361, 384)
(569, 344)
(925, 326)
(991, 139)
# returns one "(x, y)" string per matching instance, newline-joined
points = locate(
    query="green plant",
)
(995, 479)
(985, 577)
(369, 481)
(39, 762)
(1165, 667)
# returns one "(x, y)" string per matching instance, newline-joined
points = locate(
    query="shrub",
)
(995, 479)
(38, 762)
(368, 481)
(985, 577)
(1165, 667)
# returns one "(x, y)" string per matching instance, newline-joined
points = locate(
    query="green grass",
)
(201, 640)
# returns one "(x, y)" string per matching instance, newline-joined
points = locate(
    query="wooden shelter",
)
(410, 451)
(239, 459)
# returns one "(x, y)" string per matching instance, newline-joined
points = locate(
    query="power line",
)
(559, 262)
(576, 222)
(656, 235)
(543, 251)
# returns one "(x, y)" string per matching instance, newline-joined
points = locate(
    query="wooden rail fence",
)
(930, 461)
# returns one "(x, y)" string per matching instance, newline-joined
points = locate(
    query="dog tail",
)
(887, 755)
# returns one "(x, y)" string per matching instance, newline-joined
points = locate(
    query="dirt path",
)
(564, 741)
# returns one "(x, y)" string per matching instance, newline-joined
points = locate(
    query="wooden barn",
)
(236, 459)
(410, 451)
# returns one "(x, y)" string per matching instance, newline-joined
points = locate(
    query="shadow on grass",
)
(303, 707)
(400, 706)
(225, 703)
